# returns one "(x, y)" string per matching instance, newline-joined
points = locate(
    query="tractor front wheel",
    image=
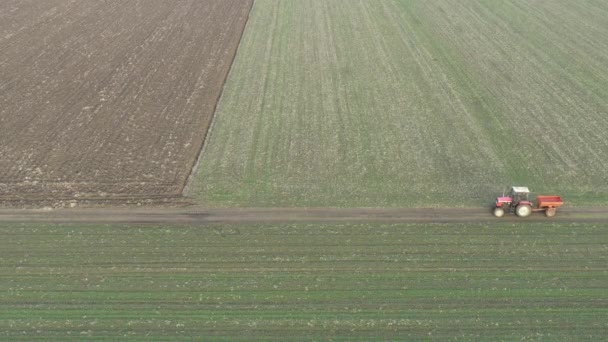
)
(550, 212)
(523, 210)
(499, 212)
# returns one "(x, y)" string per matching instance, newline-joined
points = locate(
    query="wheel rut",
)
(204, 216)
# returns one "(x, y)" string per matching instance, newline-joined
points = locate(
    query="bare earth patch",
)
(109, 99)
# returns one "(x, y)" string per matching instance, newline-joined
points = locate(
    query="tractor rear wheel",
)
(523, 210)
(499, 212)
(550, 212)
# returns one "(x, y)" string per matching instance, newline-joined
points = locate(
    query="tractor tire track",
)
(202, 216)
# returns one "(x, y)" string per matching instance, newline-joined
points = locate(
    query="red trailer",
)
(517, 202)
(549, 204)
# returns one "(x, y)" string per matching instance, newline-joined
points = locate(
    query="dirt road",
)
(194, 215)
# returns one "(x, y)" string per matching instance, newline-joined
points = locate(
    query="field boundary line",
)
(185, 188)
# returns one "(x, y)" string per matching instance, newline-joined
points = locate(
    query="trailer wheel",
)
(523, 210)
(499, 212)
(550, 212)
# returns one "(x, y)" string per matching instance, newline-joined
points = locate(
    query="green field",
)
(332, 281)
(412, 103)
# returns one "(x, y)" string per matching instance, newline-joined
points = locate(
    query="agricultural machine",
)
(517, 202)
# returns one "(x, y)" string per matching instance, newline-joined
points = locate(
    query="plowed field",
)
(109, 99)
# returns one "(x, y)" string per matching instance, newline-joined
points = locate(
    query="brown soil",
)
(103, 100)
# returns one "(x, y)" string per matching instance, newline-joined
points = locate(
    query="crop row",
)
(408, 103)
(324, 281)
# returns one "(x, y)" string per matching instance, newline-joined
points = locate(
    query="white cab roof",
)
(521, 189)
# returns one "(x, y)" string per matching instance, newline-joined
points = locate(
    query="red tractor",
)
(517, 202)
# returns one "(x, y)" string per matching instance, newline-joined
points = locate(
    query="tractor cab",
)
(520, 193)
(516, 195)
